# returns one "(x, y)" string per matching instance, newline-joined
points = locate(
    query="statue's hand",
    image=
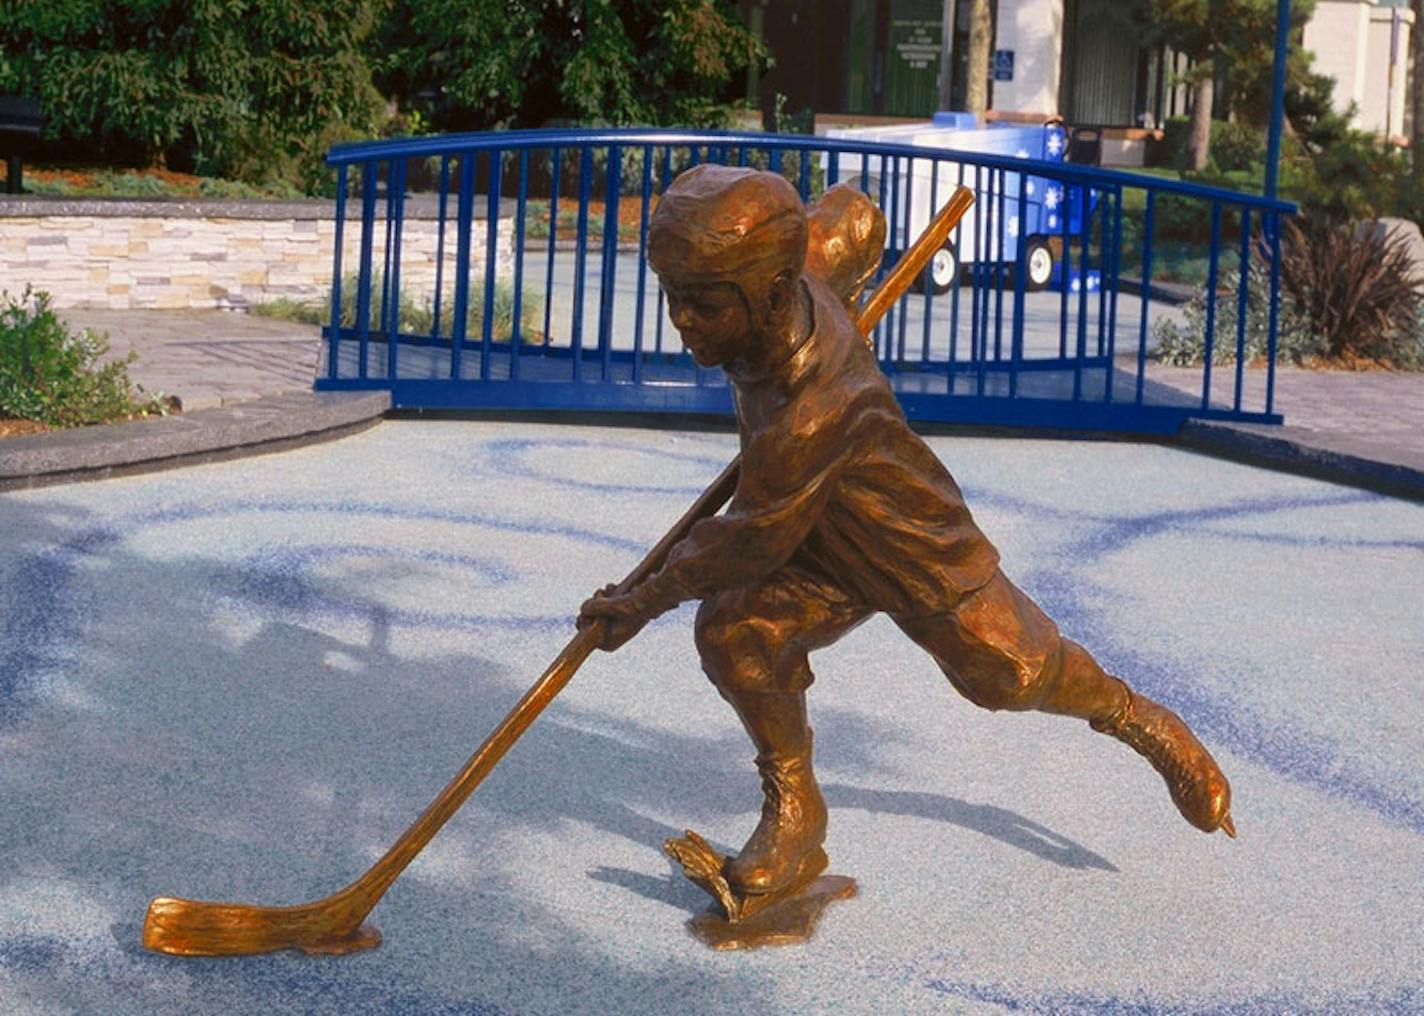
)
(623, 614)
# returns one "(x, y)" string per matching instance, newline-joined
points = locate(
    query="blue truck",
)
(991, 234)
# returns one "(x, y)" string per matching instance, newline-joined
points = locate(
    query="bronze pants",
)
(996, 646)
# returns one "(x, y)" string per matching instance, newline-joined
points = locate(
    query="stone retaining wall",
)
(173, 254)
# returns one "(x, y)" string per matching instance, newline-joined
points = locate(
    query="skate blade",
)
(741, 921)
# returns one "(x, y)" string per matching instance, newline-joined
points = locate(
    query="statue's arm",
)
(788, 474)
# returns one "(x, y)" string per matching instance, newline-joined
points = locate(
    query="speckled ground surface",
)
(243, 681)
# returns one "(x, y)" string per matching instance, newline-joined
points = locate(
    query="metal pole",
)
(1278, 97)
(946, 56)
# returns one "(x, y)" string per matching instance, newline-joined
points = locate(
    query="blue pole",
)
(1278, 97)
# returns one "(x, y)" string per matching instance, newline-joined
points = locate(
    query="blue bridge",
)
(507, 271)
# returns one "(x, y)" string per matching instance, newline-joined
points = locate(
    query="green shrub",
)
(52, 375)
(1184, 345)
(1346, 298)
(1355, 287)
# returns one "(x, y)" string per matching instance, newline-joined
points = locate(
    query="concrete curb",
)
(1338, 458)
(273, 423)
(280, 422)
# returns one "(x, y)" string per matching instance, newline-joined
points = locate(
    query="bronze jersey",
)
(834, 481)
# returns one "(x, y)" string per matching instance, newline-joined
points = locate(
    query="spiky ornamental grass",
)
(1355, 287)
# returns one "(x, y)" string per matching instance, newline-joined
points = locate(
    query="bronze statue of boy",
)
(841, 511)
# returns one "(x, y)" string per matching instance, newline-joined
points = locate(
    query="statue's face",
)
(712, 318)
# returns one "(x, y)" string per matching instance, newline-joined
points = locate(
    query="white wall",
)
(1033, 29)
(1350, 40)
(1376, 85)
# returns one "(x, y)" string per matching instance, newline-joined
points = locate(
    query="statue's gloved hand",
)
(623, 614)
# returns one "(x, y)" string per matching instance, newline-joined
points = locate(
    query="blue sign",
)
(1003, 65)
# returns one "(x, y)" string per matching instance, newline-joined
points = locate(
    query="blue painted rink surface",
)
(243, 681)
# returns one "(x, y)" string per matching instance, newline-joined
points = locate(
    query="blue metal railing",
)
(516, 311)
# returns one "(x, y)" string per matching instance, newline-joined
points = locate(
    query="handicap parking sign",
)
(1003, 65)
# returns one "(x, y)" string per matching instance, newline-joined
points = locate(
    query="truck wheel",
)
(1038, 262)
(942, 272)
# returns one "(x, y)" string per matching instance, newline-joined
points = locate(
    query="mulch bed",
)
(18, 428)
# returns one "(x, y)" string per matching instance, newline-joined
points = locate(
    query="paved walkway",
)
(208, 358)
(233, 370)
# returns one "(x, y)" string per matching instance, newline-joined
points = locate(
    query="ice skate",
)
(1199, 790)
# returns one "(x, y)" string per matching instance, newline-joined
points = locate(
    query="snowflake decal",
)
(1053, 222)
(1052, 197)
(1013, 226)
(1055, 144)
(1030, 188)
(1022, 153)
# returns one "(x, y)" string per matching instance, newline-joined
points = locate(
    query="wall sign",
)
(1003, 65)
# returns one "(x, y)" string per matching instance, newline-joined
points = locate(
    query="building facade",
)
(1076, 59)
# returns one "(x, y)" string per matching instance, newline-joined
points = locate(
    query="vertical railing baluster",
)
(1115, 256)
(983, 223)
(440, 243)
(1085, 267)
(833, 168)
(516, 325)
(1016, 350)
(658, 318)
(1000, 262)
(803, 186)
(1102, 214)
(1142, 334)
(903, 304)
(1065, 269)
(555, 158)
(879, 333)
(1213, 260)
(926, 354)
(464, 223)
(395, 234)
(613, 184)
(383, 325)
(1271, 335)
(363, 285)
(496, 185)
(585, 192)
(647, 193)
(333, 351)
(959, 247)
(1242, 304)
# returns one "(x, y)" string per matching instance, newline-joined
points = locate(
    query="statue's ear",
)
(781, 291)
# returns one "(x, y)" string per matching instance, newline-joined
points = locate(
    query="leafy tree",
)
(1234, 36)
(250, 88)
(524, 63)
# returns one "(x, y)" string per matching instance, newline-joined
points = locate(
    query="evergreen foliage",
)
(257, 90)
(529, 63)
(253, 89)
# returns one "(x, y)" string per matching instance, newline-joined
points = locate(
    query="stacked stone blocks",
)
(170, 255)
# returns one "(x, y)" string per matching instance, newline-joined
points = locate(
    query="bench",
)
(20, 124)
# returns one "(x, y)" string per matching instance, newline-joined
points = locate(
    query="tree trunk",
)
(1416, 89)
(981, 33)
(1199, 136)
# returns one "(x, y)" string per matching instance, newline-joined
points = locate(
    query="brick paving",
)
(208, 358)
(214, 358)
